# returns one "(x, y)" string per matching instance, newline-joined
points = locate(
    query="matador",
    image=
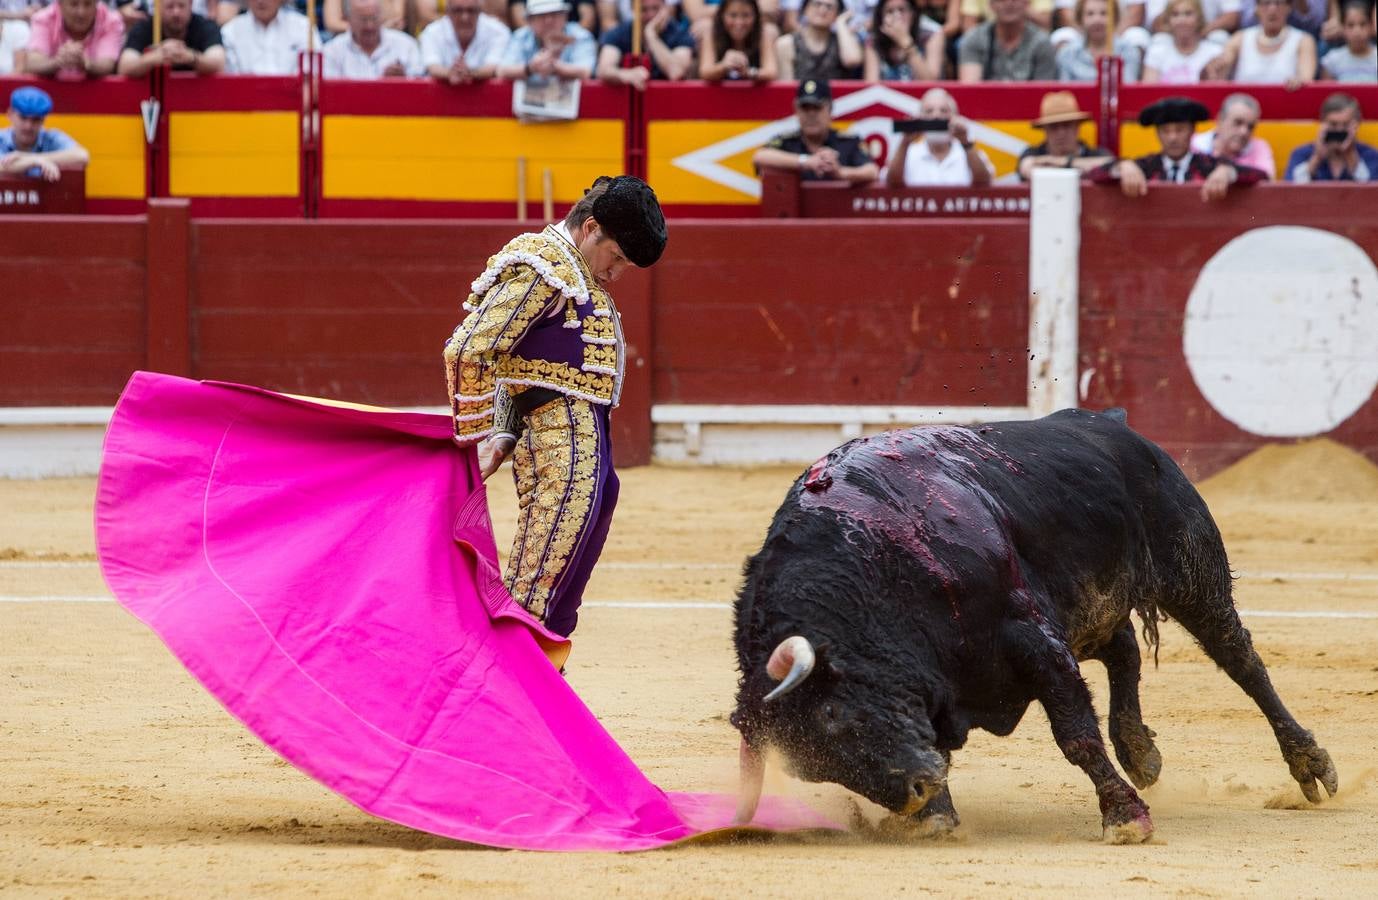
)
(533, 372)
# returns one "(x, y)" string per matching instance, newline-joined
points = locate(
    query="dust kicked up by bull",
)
(918, 584)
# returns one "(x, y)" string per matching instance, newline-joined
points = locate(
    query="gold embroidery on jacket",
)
(523, 282)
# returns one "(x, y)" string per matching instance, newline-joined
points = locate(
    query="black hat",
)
(1173, 109)
(629, 213)
(814, 90)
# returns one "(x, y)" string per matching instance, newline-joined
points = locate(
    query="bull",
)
(920, 583)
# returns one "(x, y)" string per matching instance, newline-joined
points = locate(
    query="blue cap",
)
(31, 102)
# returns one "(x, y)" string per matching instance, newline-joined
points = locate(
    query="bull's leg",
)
(1051, 671)
(1215, 625)
(1131, 738)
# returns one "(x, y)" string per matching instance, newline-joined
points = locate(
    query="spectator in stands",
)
(549, 45)
(1182, 59)
(1128, 14)
(816, 151)
(899, 48)
(977, 12)
(1062, 147)
(665, 38)
(14, 36)
(738, 45)
(1308, 15)
(1175, 119)
(1010, 47)
(1079, 46)
(1271, 52)
(935, 161)
(1357, 61)
(1233, 138)
(700, 13)
(464, 45)
(368, 51)
(1336, 154)
(583, 13)
(410, 16)
(27, 147)
(1219, 18)
(74, 39)
(265, 40)
(820, 48)
(191, 42)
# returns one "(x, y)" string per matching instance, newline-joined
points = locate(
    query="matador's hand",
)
(492, 452)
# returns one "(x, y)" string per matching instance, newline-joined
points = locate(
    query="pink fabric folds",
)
(329, 574)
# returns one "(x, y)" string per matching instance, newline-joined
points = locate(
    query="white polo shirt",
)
(343, 58)
(440, 46)
(254, 49)
(923, 169)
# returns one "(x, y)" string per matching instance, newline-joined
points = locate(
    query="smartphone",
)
(906, 126)
(1336, 136)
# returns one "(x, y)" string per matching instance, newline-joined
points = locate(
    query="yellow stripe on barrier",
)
(234, 154)
(433, 158)
(116, 144)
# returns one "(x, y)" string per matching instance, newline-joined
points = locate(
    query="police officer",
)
(816, 151)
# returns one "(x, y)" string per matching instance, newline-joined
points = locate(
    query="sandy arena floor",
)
(121, 777)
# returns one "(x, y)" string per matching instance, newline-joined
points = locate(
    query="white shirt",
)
(440, 46)
(1279, 67)
(923, 169)
(1176, 172)
(343, 58)
(1173, 67)
(253, 49)
(14, 37)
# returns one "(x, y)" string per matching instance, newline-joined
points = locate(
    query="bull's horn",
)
(793, 661)
(753, 775)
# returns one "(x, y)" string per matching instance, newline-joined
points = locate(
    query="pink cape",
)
(329, 574)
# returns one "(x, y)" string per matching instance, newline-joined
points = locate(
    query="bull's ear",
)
(835, 669)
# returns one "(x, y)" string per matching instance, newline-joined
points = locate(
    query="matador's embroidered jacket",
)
(537, 318)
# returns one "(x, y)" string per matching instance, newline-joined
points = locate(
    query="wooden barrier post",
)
(166, 275)
(547, 195)
(521, 188)
(1054, 257)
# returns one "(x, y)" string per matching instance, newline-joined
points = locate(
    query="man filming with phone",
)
(936, 149)
(1336, 154)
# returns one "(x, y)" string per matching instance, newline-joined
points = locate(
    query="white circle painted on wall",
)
(1281, 331)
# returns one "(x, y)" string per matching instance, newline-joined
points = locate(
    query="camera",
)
(1336, 135)
(909, 126)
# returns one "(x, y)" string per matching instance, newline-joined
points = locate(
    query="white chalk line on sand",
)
(692, 566)
(719, 605)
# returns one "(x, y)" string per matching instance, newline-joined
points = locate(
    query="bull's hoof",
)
(1310, 765)
(902, 828)
(1148, 764)
(1135, 831)
(936, 826)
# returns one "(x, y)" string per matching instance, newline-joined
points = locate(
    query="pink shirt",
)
(103, 41)
(1258, 153)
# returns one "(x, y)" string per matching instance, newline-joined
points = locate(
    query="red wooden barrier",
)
(22, 195)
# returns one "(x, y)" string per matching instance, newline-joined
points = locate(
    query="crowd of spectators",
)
(1288, 42)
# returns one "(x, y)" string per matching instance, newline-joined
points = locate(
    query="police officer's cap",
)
(630, 214)
(31, 102)
(1173, 109)
(813, 92)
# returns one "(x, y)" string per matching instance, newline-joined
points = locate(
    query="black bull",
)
(920, 583)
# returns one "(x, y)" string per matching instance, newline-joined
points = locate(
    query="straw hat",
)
(1059, 106)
